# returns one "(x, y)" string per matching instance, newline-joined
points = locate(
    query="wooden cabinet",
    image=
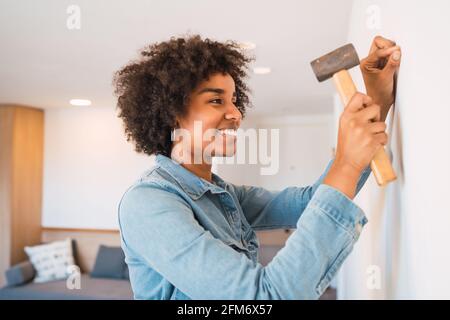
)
(21, 163)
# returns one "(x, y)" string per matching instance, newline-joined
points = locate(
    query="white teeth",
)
(230, 132)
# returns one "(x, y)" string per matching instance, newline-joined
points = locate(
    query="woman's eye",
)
(220, 101)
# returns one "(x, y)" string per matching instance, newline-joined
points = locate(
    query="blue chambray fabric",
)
(187, 238)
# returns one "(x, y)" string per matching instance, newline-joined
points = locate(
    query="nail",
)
(396, 55)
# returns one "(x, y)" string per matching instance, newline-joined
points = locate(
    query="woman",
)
(186, 233)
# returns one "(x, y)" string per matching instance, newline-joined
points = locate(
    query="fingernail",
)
(396, 55)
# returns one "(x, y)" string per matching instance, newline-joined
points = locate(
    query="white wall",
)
(408, 232)
(87, 167)
(305, 148)
(88, 164)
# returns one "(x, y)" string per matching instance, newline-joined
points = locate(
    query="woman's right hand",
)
(361, 134)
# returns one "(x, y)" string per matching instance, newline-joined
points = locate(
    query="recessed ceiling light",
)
(80, 102)
(247, 45)
(261, 70)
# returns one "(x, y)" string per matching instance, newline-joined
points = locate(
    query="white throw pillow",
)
(51, 261)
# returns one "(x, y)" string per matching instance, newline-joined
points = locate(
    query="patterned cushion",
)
(51, 261)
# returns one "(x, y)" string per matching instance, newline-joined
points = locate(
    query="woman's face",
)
(209, 126)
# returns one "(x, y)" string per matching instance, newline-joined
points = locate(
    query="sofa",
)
(109, 280)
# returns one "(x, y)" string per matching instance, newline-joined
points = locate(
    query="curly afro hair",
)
(154, 89)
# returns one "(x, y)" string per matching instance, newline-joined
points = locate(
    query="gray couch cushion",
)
(20, 273)
(90, 288)
(110, 263)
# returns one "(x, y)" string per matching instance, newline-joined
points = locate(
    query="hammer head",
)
(342, 58)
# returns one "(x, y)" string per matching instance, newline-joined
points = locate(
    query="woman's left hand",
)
(379, 69)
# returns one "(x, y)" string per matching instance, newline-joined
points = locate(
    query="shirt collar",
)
(189, 182)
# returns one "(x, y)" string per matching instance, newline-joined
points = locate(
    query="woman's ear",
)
(177, 123)
(176, 126)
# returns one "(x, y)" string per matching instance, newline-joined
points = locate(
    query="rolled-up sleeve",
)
(166, 236)
(265, 209)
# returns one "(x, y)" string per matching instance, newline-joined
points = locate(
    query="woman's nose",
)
(233, 113)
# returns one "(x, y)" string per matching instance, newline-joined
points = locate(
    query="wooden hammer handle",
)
(380, 164)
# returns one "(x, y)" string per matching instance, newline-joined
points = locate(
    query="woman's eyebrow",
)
(214, 90)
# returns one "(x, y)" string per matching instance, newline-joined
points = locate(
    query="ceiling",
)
(44, 64)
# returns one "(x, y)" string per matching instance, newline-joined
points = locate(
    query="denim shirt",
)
(187, 238)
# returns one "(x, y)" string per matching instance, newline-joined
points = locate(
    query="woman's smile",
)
(227, 132)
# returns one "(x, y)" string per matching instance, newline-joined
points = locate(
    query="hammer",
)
(335, 64)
